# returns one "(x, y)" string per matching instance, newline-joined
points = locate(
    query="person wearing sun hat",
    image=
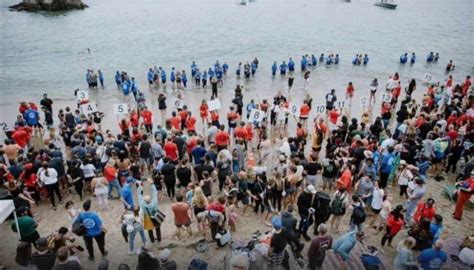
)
(278, 242)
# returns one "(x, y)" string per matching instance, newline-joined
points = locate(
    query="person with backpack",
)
(305, 210)
(344, 245)
(338, 208)
(318, 247)
(359, 214)
(322, 208)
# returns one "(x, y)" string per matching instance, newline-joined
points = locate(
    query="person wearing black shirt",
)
(47, 103)
(183, 173)
(312, 168)
(305, 200)
(168, 171)
(43, 258)
(278, 242)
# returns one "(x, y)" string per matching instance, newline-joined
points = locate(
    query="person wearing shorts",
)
(181, 216)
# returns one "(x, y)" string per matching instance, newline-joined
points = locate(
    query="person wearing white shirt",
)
(49, 179)
(404, 178)
(89, 173)
(376, 203)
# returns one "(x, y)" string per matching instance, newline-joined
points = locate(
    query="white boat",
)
(385, 4)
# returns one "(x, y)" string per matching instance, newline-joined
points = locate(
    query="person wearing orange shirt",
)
(204, 111)
(134, 119)
(301, 133)
(171, 150)
(222, 138)
(465, 189)
(232, 118)
(191, 124)
(449, 81)
(124, 126)
(346, 179)
(175, 120)
(333, 116)
(466, 85)
(424, 210)
(249, 128)
(215, 119)
(240, 133)
(304, 113)
(147, 116)
(183, 114)
(350, 91)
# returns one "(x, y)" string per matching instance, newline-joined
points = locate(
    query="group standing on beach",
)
(372, 172)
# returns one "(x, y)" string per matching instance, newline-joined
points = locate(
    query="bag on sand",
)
(197, 264)
(223, 237)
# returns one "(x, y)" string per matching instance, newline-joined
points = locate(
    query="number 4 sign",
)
(89, 108)
(120, 109)
(256, 115)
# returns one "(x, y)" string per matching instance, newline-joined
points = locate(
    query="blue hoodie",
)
(345, 244)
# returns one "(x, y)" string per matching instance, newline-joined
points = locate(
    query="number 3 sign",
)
(120, 109)
(82, 95)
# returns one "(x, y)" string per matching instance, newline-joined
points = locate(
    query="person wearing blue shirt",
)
(250, 107)
(355, 60)
(304, 63)
(253, 68)
(198, 152)
(413, 58)
(430, 57)
(197, 77)
(32, 117)
(403, 58)
(94, 230)
(314, 61)
(210, 73)
(291, 65)
(118, 78)
(238, 70)
(101, 78)
(366, 59)
(127, 193)
(149, 76)
(283, 68)
(321, 58)
(163, 75)
(329, 60)
(344, 245)
(436, 227)
(184, 78)
(225, 68)
(386, 166)
(433, 258)
(204, 78)
(172, 76)
(274, 68)
(193, 69)
(134, 88)
(336, 59)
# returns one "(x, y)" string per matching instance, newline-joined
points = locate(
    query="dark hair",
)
(179, 197)
(87, 205)
(23, 254)
(62, 254)
(146, 261)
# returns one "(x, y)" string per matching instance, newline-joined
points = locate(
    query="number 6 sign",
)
(120, 109)
(178, 103)
(256, 115)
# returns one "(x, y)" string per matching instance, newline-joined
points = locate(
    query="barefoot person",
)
(181, 216)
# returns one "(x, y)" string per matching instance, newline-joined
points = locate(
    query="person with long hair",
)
(49, 179)
(133, 221)
(394, 224)
(149, 207)
(405, 260)
(199, 204)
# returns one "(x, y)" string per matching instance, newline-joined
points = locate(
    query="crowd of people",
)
(329, 169)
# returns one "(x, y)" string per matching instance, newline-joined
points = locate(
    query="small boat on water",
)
(385, 4)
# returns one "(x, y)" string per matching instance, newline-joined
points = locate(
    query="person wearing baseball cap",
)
(278, 242)
(43, 258)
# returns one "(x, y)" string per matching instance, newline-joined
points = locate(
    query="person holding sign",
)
(222, 138)
(330, 100)
(232, 118)
(147, 117)
(304, 113)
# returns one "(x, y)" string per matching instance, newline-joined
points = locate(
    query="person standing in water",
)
(291, 79)
(101, 78)
(274, 68)
(204, 79)
(283, 67)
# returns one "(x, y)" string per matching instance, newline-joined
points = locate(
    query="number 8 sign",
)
(120, 109)
(256, 115)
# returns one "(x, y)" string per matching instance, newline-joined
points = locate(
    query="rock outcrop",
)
(48, 5)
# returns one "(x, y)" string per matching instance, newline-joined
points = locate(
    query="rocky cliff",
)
(48, 5)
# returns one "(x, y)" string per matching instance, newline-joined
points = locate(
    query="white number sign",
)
(120, 109)
(294, 109)
(214, 104)
(364, 101)
(341, 104)
(256, 115)
(89, 108)
(386, 97)
(178, 103)
(320, 108)
(428, 78)
(283, 114)
(82, 95)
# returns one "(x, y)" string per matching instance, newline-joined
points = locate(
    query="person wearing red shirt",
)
(171, 150)
(124, 126)
(240, 132)
(222, 138)
(204, 112)
(20, 135)
(191, 124)
(147, 116)
(249, 128)
(191, 143)
(345, 179)
(175, 120)
(466, 85)
(452, 118)
(465, 189)
(333, 116)
(215, 119)
(452, 133)
(30, 180)
(136, 136)
(350, 91)
(183, 114)
(134, 119)
(304, 113)
(449, 81)
(394, 224)
(425, 210)
(232, 118)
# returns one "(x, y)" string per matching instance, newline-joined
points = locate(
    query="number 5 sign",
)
(89, 108)
(120, 109)
(256, 115)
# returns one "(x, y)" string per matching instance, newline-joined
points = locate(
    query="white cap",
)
(311, 189)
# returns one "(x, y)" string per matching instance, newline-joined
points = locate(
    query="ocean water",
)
(47, 52)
